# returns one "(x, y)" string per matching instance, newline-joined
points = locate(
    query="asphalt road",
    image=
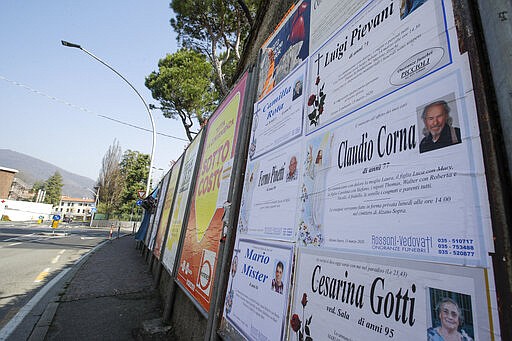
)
(32, 254)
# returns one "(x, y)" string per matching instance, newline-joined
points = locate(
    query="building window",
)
(78, 211)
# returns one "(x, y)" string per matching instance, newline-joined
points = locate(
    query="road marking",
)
(56, 259)
(13, 244)
(18, 237)
(62, 252)
(23, 312)
(42, 275)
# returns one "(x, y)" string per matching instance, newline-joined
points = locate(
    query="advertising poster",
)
(149, 233)
(377, 183)
(180, 205)
(166, 210)
(286, 48)
(277, 118)
(377, 52)
(329, 16)
(258, 289)
(338, 297)
(269, 200)
(204, 228)
(158, 213)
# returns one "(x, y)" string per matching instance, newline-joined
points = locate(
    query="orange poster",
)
(199, 255)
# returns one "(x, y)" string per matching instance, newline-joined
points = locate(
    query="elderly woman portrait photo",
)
(449, 324)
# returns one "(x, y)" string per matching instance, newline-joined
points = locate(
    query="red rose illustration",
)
(311, 100)
(295, 322)
(304, 300)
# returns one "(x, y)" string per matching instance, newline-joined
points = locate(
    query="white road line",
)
(56, 259)
(13, 244)
(18, 237)
(62, 252)
(16, 320)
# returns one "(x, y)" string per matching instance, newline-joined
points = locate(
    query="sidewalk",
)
(109, 297)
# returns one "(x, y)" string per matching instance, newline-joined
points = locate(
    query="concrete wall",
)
(25, 211)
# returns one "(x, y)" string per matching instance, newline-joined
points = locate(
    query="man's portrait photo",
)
(277, 282)
(292, 169)
(451, 316)
(438, 130)
(297, 89)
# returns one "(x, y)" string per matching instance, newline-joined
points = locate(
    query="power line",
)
(53, 98)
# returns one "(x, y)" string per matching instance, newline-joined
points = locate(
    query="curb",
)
(43, 324)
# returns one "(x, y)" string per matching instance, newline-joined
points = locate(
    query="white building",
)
(75, 208)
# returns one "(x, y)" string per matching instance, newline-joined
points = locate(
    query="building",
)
(75, 208)
(20, 190)
(6, 179)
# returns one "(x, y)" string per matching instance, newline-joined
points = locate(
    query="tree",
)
(214, 28)
(135, 169)
(53, 187)
(183, 87)
(110, 180)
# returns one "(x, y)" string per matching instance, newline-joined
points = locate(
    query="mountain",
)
(32, 170)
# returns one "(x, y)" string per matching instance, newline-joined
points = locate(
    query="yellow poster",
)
(216, 152)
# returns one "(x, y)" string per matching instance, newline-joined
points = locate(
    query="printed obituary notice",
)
(342, 297)
(277, 118)
(328, 16)
(375, 53)
(258, 289)
(404, 179)
(269, 199)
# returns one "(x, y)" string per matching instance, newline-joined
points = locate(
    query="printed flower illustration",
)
(304, 300)
(316, 101)
(296, 323)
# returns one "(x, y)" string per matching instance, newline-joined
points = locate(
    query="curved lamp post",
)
(148, 186)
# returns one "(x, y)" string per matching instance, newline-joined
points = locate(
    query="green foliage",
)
(53, 186)
(215, 28)
(135, 169)
(183, 86)
(111, 181)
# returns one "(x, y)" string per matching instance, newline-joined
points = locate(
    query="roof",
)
(66, 198)
(10, 170)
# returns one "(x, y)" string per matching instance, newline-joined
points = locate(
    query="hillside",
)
(32, 170)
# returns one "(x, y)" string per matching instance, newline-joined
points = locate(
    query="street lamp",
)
(148, 186)
(96, 196)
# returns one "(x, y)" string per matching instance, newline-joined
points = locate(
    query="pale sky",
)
(51, 96)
